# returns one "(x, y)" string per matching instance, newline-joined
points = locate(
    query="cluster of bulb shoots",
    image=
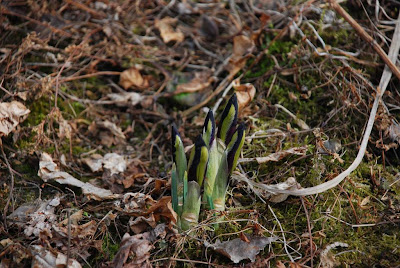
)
(212, 160)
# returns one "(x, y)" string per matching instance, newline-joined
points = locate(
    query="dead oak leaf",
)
(163, 208)
(141, 223)
(139, 247)
(244, 92)
(133, 77)
(242, 46)
(167, 31)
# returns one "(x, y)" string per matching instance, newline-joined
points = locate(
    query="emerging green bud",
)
(209, 129)
(227, 123)
(216, 151)
(178, 153)
(198, 161)
(235, 146)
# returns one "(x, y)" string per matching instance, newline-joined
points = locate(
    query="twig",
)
(11, 196)
(297, 120)
(364, 35)
(89, 75)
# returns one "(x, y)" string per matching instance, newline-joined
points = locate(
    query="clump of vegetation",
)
(212, 160)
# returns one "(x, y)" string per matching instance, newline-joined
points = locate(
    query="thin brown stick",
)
(89, 75)
(11, 196)
(364, 35)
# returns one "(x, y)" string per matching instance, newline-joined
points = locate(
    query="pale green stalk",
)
(191, 207)
(220, 185)
(215, 155)
(174, 188)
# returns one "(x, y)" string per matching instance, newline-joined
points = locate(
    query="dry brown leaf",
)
(163, 208)
(48, 170)
(11, 114)
(236, 65)
(365, 202)
(238, 250)
(134, 203)
(74, 218)
(242, 45)
(83, 231)
(113, 128)
(108, 133)
(201, 81)
(137, 246)
(141, 223)
(280, 264)
(169, 32)
(132, 77)
(244, 92)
